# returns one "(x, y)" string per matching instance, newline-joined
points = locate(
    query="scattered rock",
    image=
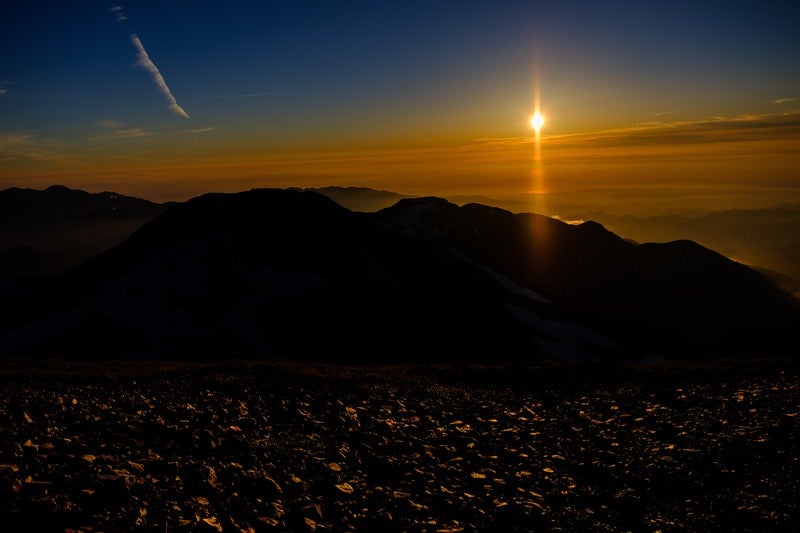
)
(392, 452)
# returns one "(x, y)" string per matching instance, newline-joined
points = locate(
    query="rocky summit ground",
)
(292, 447)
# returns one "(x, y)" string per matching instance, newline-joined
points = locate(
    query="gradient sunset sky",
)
(694, 101)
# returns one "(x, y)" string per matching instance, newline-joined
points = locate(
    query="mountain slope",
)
(685, 296)
(764, 237)
(291, 273)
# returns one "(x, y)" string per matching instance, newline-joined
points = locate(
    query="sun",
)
(537, 121)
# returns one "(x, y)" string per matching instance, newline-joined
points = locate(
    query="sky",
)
(647, 105)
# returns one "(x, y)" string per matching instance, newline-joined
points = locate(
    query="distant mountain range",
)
(292, 273)
(45, 232)
(768, 238)
(765, 238)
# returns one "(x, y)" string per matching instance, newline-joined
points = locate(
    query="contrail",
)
(146, 63)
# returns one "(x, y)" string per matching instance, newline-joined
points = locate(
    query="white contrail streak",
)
(146, 63)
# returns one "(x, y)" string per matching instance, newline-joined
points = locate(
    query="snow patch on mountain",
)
(565, 341)
(507, 283)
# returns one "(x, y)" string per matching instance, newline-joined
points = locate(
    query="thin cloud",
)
(785, 100)
(111, 124)
(19, 145)
(3, 92)
(503, 141)
(132, 132)
(662, 113)
(243, 95)
(200, 130)
(714, 129)
(117, 10)
(119, 131)
(571, 222)
(146, 63)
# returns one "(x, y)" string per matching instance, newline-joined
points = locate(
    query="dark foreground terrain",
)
(280, 446)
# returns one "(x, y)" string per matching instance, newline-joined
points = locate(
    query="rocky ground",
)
(283, 446)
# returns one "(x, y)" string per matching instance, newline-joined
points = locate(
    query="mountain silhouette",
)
(686, 296)
(763, 237)
(292, 273)
(45, 232)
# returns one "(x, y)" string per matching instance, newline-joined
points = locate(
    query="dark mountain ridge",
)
(292, 273)
(764, 238)
(46, 232)
(679, 292)
(58, 203)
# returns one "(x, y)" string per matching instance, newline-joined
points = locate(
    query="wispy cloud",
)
(662, 113)
(243, 95)
(753, 127)
(571, 222)
(20, 145)
(3, 91)
(785, 100)
(200, 130)
(132, 132)
(117, 10)
(119, 131)
(146, 63)
(111, 124)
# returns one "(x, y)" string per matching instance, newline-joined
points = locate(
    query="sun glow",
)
(537, 121)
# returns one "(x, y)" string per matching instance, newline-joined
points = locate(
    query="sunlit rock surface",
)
(303, 448)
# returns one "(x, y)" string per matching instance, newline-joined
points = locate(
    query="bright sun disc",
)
(537, 121)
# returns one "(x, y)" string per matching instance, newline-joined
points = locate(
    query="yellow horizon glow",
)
(722, 155)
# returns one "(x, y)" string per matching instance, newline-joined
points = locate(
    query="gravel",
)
(287, 446)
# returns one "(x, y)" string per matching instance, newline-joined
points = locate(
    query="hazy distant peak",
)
(362, 199)
(337, 188)
(64, 226)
